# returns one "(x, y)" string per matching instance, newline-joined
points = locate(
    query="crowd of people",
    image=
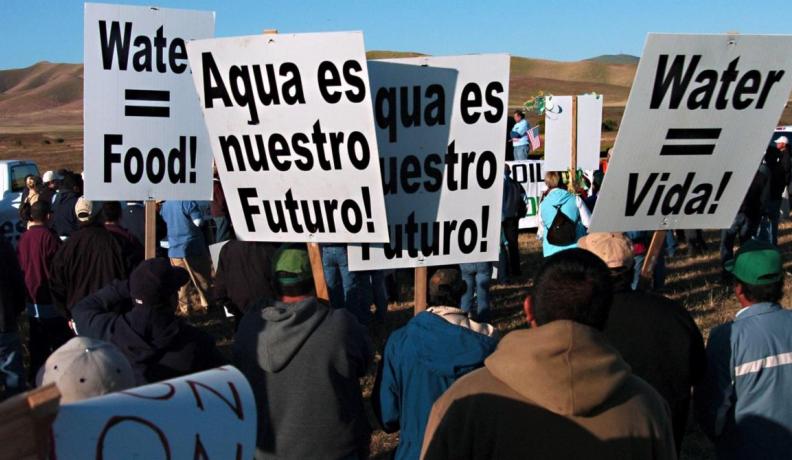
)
(602, 367)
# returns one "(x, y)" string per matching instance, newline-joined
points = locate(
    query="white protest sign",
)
(292, 131)
(558, 132)
(210, 414)
(530, 175)
(440, 131)
(589, 134)
(697, 123)
(144, 134)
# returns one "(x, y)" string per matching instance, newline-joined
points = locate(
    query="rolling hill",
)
(41, 105)
(51, 94)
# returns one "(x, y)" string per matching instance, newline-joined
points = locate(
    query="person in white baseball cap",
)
(85, 368)
(782, 140)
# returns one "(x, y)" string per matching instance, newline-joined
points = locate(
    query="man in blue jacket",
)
(423, 358)
(743, 403)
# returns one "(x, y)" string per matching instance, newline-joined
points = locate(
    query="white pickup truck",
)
(12, 182)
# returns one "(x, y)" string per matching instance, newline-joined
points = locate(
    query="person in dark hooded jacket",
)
(139, 317)
(304, 360)
(88, 260)
(423, 358)
(64, 220)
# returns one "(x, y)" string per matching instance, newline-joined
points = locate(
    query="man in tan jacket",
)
(558, 389)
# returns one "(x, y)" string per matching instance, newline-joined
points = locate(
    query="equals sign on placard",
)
(141, 103)
(692, 141)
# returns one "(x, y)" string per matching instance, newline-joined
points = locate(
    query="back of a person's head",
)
(552, 180)
(573, 285)
(40, 210)
(111, 211)
(69, 182)
(446, 287)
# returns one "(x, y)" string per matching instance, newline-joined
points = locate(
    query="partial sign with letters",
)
(440, 130)
(292, 131)
(210, 414)
(699, 116)
(144, 134)
(530, 175)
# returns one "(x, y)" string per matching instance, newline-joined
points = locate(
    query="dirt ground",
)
(694, 281)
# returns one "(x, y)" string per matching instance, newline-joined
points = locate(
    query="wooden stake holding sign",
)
(573, 159)
(25, 423)
(650, 259)
(151, 229)
(421, 279)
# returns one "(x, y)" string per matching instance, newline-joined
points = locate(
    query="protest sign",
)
(440, 130)
(558, 132)
(292, 132)
(144, 135)
(698, 119)
(210, 414)
(530, 175)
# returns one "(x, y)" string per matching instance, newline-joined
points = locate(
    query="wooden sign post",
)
(650, 260)
(25, 422)
(150, 246)
(421, 279)
(571, 186)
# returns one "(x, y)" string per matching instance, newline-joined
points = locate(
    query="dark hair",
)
(111, 211)
(772, 292)
(39, 210)
(446, 296)
(520, 113)
(573, 285)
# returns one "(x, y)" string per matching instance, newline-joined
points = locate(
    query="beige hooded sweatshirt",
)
(556, 391)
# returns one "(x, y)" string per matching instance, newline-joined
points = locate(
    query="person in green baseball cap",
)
(743, 402)
(303, 359)
(293, 276)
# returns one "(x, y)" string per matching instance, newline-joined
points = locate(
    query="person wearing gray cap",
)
(86, 368)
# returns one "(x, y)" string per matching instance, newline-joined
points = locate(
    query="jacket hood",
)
(557, 196)
(563, 366)
(448, 343)
(284, 329)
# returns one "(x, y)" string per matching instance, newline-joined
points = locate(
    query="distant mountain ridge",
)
(50, 93)
(616, 59)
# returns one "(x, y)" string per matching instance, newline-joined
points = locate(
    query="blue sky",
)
(37, 30)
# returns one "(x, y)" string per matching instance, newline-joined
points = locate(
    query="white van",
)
(12, 182)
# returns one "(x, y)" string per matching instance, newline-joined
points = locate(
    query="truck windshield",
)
(19, 173)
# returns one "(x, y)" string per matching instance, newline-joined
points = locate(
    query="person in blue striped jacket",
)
(744, 402)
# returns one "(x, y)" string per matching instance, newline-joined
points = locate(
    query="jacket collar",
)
(757, 309)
